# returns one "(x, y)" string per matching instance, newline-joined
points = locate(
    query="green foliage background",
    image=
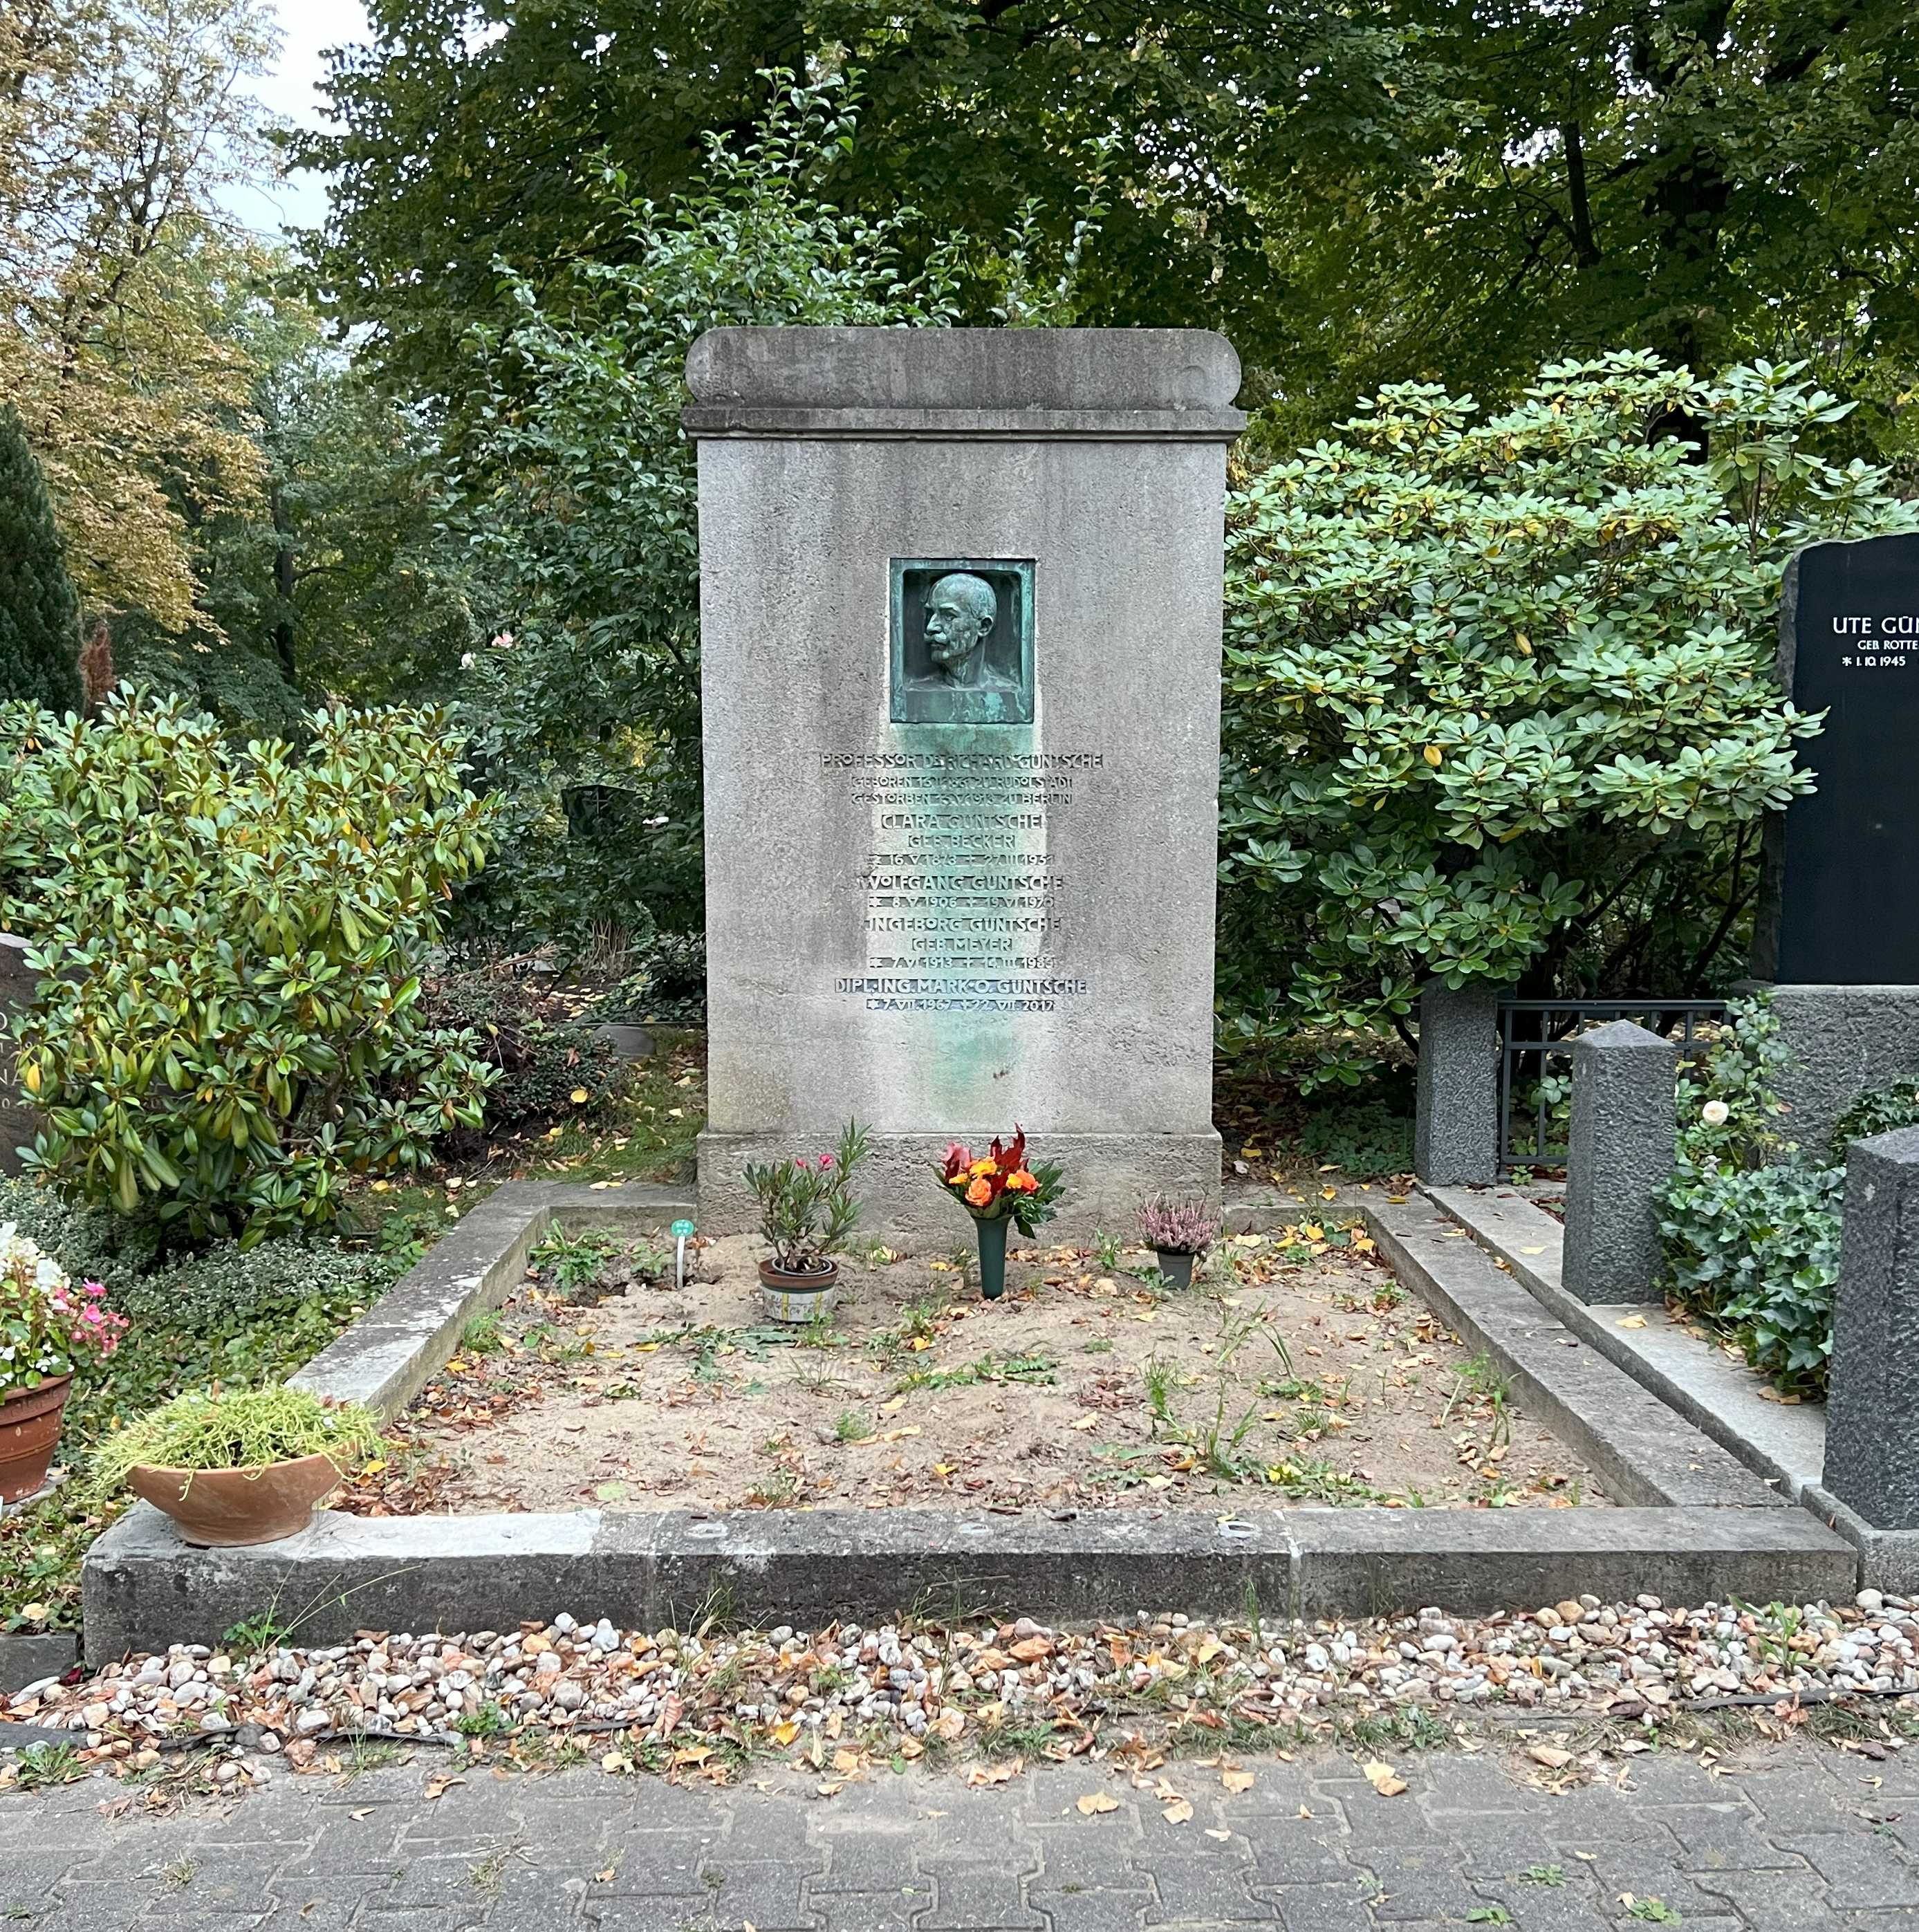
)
(40, 618)
(1499, 695)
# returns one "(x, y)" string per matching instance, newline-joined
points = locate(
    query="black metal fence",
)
(1534, 1034)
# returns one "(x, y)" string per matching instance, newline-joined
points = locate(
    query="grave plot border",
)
(1693, 1526)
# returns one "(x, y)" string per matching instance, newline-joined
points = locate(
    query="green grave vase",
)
(993, 1255)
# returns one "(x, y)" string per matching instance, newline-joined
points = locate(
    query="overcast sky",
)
(307, 27)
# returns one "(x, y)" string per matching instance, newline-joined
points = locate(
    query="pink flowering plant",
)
(1178, 1227)
(49, 1328)
(807, 1214)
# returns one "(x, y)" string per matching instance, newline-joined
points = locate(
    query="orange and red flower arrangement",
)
(1000, 1184)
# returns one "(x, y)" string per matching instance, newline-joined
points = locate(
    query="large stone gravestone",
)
(960, 598)
(1837, 927)
(1842, 903)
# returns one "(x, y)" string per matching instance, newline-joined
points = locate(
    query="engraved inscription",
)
(961, 895)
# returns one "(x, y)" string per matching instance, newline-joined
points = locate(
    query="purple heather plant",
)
(1178, 1227)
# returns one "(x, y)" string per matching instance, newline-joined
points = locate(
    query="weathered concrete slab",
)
(1004, 894)
(1352, 1564)
(1644, 1452)
(25, 1659)
(1785, 1444)
(145, 1587)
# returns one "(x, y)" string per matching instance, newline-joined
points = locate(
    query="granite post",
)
(1619, 1155)
(960, 607)
(1872, 1393)
(1456, 1130)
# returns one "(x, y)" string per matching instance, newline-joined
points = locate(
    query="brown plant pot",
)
(798, 1298)
(225, 1508)
(29, 1433)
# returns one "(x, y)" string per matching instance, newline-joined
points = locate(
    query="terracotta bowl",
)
(29, 1432)
(226, 1507)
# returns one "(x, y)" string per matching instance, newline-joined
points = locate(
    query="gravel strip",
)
(892, 1689)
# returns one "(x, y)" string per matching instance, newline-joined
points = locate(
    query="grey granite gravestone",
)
(960, 607)
(1619, 1155)
(1872, 1394)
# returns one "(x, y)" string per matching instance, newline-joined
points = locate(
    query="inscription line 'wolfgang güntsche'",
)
(960, 654)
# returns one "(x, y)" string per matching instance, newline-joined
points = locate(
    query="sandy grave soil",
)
(1294, 1368)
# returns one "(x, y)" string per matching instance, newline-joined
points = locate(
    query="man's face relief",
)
(954, 625)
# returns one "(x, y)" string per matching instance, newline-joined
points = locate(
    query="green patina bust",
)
(962, 641)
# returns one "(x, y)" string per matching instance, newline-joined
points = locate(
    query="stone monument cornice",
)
(1041, 385)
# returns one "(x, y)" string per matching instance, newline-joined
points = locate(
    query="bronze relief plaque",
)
(962, 640)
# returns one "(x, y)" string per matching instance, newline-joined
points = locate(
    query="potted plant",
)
(1000, 1187)
(49, 1328)
(807, 1215)
(1178, 1232)
(233, 1466)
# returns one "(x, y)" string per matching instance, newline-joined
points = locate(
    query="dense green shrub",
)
(1756, 1253)
(39, 615)
(668, 983)
(575, 490)
(1365, 1139)
(229, 945)
(1878, 1112)
(231, 1315)
(1751, 1231)
(1498, 703)
(541, 1064)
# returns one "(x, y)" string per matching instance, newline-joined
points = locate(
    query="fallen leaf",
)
(1085, 1422)
(784, 1733)
(606, 1876)
(1214, 1831)
(846, 1760)
(1630, 1321)
(438, 1787)
(1180, 1812)
(1236, 1780)
(1551, 1755)
(1382, 1777)
(1096, 1802)
(950, 1724)
(1002, 1773)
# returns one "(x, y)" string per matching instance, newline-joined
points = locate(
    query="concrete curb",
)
(1785, 1445)
(144, 1589)
(1645, 1453)
(388, 1356)
(1704, 1528)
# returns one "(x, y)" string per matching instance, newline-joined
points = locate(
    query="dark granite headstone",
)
(1840, 905)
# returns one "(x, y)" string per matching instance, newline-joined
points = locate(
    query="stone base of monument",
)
(1695, 1525)
(1888, 1558)
(1108, 1176)
(1845, 1042)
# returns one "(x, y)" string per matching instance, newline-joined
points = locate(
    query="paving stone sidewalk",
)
(1798, 1837)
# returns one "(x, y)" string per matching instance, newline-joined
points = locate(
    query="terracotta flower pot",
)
(225, 1507)
(29, 1432)
(798, 1298)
